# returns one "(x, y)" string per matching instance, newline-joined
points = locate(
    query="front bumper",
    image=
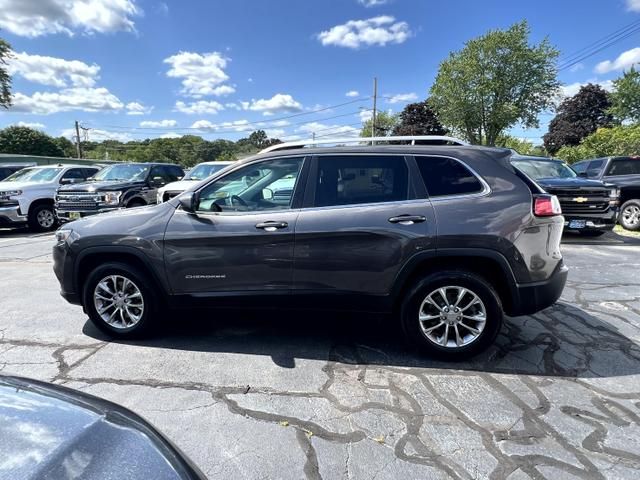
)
(63, 269)
(593, 221)
(533, 297)
(11, 215)
(70, 215)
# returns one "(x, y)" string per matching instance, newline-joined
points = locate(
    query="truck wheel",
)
(452, 315)
(135, 203)
(42, 218)
(630, 215)
(119, 300)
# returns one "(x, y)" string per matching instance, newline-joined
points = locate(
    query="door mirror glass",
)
(267, 194)
(69, 181)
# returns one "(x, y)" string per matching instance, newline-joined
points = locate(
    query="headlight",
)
(159, 197)
(11, 193)
(614, 192)
(63, 234)
(112, 198)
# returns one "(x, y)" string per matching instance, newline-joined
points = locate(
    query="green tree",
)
(67, 147)
(523, 147)
(419, 119)
(386, 123)
(605, 142)
(577, 117)
(28, 141)
(495, 82)
(625, 98)
(5, 79)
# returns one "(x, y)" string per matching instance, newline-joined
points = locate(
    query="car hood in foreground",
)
(576, 182)
(49, 431)
(100, 186)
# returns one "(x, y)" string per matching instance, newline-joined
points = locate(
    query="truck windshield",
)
(122, 172)
(538, 169)
(36, 175)
(203, 171)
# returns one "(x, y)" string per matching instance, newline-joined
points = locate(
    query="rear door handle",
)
(272, 226)
(408, 219)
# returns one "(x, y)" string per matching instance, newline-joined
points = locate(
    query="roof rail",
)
(372, 140)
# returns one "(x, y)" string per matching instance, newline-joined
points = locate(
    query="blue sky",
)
(130, 69)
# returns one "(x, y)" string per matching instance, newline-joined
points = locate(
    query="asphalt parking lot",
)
(249, 395)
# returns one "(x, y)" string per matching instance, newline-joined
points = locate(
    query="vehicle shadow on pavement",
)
(609, 238)
(560, 341)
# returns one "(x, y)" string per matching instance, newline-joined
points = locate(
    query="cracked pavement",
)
(266, 395)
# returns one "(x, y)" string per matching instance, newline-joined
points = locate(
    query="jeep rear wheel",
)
(630, 215)
(452, 315)
(119, 301)
(42, 218)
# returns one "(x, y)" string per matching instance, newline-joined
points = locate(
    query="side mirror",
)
(69, 181)
(267, 194)
(189, 201)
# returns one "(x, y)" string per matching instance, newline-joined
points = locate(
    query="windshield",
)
(538, 169)
(202, 171)
(37, 175)
(123, 172)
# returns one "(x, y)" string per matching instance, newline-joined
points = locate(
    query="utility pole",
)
(78, 149)
(375, 101)
(313, 136)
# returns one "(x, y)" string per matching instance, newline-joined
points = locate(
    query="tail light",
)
(546, 206)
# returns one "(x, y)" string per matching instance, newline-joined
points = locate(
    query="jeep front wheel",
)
(630, 215)
(119, 300)
(452, 315)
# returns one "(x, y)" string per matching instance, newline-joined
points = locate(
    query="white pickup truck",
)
(27, 196)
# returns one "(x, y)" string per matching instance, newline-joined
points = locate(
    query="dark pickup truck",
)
(123, 185)
(589, 206)
(624, 173)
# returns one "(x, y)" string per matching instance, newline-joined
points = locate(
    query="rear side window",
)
(349, 180)
(176, 173)
(628, 166)
(446, 176)
(595, 165)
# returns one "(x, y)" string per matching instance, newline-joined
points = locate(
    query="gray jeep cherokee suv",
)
(446, 238)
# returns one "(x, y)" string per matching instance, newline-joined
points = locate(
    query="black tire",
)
(42, 218)
(593, 233)
(412, 303)
(140, 280)
(629, 218)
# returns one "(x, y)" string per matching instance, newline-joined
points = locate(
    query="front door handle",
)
(408, 219)
(272, 226)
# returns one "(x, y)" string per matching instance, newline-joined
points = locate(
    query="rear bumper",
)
(533, 297)
(11, 215)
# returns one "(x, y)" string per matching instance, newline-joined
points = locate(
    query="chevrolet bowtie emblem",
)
(580, 199)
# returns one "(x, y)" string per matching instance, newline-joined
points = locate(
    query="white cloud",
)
(402, 98)
(279, 103)
(160, 123)
(275, 132)
(29, 18)
(79, 98)
(200, 107)
(170, 135)
(380, 31)
(236, 126)
(372, 3)
(365, 115)
(201, 74)
(352, 93)
(571, 89)
(326, 130)
(136, 108)
(36, 125)
(53, 71)
(577, 67)
(625, 60)
(98, 135)
(633, 5)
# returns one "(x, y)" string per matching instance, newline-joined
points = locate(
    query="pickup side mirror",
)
(189, 201)
(69, 181)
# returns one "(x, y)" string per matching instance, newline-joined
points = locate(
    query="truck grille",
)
(73, 201)
(582, 201)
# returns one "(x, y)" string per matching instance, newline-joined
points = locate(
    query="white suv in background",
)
(197, 173)
(27, 196)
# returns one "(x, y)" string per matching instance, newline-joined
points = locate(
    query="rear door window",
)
(445, 176)
(357, 179)
(626, 166)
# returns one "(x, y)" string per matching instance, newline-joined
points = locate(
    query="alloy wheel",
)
(631, 215)
(118, 301)
(45, 218)
(452, 317)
